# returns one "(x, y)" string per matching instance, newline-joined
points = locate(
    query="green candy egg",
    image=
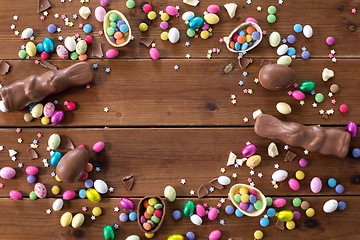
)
(285, 215)
(74, 56)
(258, 205)
(130, 4)
(190, 32)
(175, 237)
(33, 196)
(113, 17)
(319, 97)
(237, 198)
(110, 31)
(109, 233)
(155, 219)
(272, 10)
(269, 201)
(296, 202)
(158, 206)
(189, 208)
(271, 18)
(22, 54)
(307, 86)
(113, 24)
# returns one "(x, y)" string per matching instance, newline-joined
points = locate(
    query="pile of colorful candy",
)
(151, 211)
(117, 29)
(247, 199)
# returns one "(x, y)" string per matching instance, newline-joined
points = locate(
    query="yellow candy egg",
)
(66, 219)
(57, 178)
(165, 17)
(211, 18)
(245, 198)
(96, 211)
(204, 34)
(253, 161)
(310, 212)
(300, 175)
(93, 195)
(55, 190)
(175, 237)
(45, 120)
(244, 190)
(258, 234)
(149, 235)
(164, 36)
(285, 215)
(150, 210)
(151, 15)
(30, 49)
(290, 225)
(153, 201)
(248, 38)
(143, 27)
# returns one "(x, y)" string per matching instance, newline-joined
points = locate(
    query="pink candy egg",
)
(49, 109)
(171, 10)
(62, 52)
(316, 185)
(88, 39)
(16, 195)
(294, 184)
(40, 190)
(213, 9)
(352, 129)
(104, 2)
(112, 53)
(330, 41)
(57, 117)
(215, 235)
(158, 213)
(127, 204)
(69, 194)
(100, 13)
(212, 214)
(44, 55)
(250, 19)
(200, 210)
(249, 150)
(7, 173)
(243, 205)
(154, 53)
(235, 37)
(71, 106)
(81, 146)
(344, 108)
(252, 191)
(84, 176)
(298, 95)
(99, 146)
(279, 202)
(32, 170)
(164, 25)
(297, 215)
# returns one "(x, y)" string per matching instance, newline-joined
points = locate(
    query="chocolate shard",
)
(202, 191)
(264, 62)
(147, 41)
(97, 50)
(290, 156)
(43, 5)
(229, 68)
(47, 64)
(4, 67)
(67, 143)
(214, 182)
(280, 225)
(128, 181)
(244, 62)
(32, 153)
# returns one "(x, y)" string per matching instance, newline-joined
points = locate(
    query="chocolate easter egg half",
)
(276, 76)
(72, 165)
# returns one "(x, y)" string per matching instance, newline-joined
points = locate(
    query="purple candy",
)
(57, 117)
(31, 179)
(250, 44)
(190, 235)
(303, 162)
(305, 55)
(249, 150)
(119, 23)
(142, 219)
(89, 183)
(352, 129)
(330, 41)
(255, 35)
(112, 38)
(123, 217)
(205, 26)
(127, 204)
(51, 28)
(291, 39)
(250, 208)
(104, 2)
(164, 25)
(229, 209)
(252, 198)
(297, 215)
(243, 205)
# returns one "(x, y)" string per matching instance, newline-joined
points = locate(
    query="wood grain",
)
(198, 94)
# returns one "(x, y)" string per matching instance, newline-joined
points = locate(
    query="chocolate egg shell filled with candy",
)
(72, 165)
(276, 76)
(156, 216)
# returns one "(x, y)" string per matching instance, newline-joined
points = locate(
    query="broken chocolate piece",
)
(214, 182)
(4, 67)
(147, 41)
(97, 50)
(244, 62)
(327, 141)
(128, 181)
(32, 153)
(66, 143)
(325, 116)
(43, 5)
(202, 191)
(264, 62)
(229, 68)
(290, 156)
(280, 225)
(46, 64)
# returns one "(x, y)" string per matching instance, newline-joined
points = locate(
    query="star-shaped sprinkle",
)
(330, 94)
(205, 13)
(107, 70)
(176, 67)
(259, 8)
(2, 185)
(95, 66)
(35, 141)
(249, 180)
(177, 7)
(106, 109)
(116, 226)
(273, 182)
(245, 119)
(332, 51)
(19, 140)
(97, 169)
(222, 200)
(252, 172)
(111, 189)
(260, 175)
(281, 2)
(233, 96)
(75, 16)
(302, 102)
(250, 91)
(15, 17)
(303, 49)
(286, 147)
(219, 205)
(88, 86)
(276, 186)
(84, 209)
(93, 217)
(1, 148)
(58, 29)
(56, 15)
(241, 83)
(192, 192)
(252, 184)
(256, 80)
(314, 105)
(53, 174)
(233, 101)
(18, 130)
(42, 17)
(56, 102)
(161, 12)
(245, 91)
(187, 44)
(322, 111)
(20, 165)
(221, 40)
(116, 209)
(290, 93)
(276, 166)
(222, 170)
(222, 222)
(17, 33)
(333, 59)
(188, 56)
(264, 32)
(284, 40)
(245, 74)
(12, 27)
(306, 152)
(211, 189)
(236, 165)
(248, 1)
(353, 11)
(330, 55)
(333, 101)
(46, 164)
(44, 160)
(234, 175)
(60, 38)
(183, 181)
(48, 211)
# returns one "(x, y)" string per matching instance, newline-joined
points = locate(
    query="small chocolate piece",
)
(47, 64)
(146, 41)
(97, 50)
(290, 156)
(32, 153)
(325, 116)
(244, 62)
(264, 63)
(216, 184)
(202, 191)
(229, 68)
(66, 143)
(4, 67)
(128, 181)
(327, 141)
(276, 76)
(311, 223)
(43, 5)
(72, 165)
(280, 225)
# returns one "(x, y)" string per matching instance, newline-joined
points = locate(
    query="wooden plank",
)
(334, 19)
(152, 93)
(22, 216)
(165, 156)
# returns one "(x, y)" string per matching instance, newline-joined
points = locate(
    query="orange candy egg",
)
(89, 167)
(82, 57)
(250, 29)
(147, 226)
(118, 35)
(241, 39)
(146, 204)
(232, 45)
(120, 41)
(147, 215)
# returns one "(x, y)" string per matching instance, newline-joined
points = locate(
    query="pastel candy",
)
(7, 173)
(279, 202)
(100, 13)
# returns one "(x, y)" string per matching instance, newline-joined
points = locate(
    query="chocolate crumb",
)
(32, 153)
(128, 181)
(229, 68)
(202, 191)
(214, 182)
(290, 156)
(280, 225)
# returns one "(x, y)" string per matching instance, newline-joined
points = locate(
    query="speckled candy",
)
(40, 190)
(316, 185)
(249, 150)
(99, 146)
(279, 202)
(62, 52)
(352, 129)
(127, 204)
(81, 47)
(15, 195)
(7, 173)
(49, 109)
(215, 235)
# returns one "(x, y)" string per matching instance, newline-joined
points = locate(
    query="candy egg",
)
(253, 161)
(279, 202)
(77, 220)
(285, 215)
(330, 206)
(298, 95)
(189, 208)
(99, 146)
(49, 109)
(37, 110)
(249, 150)
(274, 39)
(215, 235)
(55, 158)
(93, 195)
(213, 8)
(294, 184)
(279, 175)
(69, 194)
(15, 195)
(57, 204)
(315, 185)
(62, 52)
(195, 23)
(40, 190)
(127, 204)
(133, 237)
(308, 31)
(352, 128)
(224, 180)
(100, 13)
(212, 214)
(109, 232)
(171, 10)
(112, 53)
(100, 186)
(81, 47)
(282, 49)
(195, 219)
(7, 173)
(27, 33)
(65, 219)
(200, 210)
(283, 108)
(70, 44)
(57, 117)
(211, 18)
(188, 15)
(154, 53)
(175, 237)
(30, 49)
(48, 45)
(174, 35)
(284, 60)
(170, 193)
(32, 170)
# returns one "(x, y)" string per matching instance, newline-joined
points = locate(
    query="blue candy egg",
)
(176, 214)
(355, 152)
(271, 212)
(332, 182)
(119, 23)
(238, 213)
(89, 183)
(123, 217)
(31, 105)
(48, 45)
(250, 208)
(190, 235)
(339, 188)
(341, 206)
(244, 46)
(237, 46)
(241, 32)
(132, 216)
(124, 28)
(252, 198)
(82, 193)
(55, 158)
(291, 39)
(196, 22)
(39, 47)
(291, 51)
(250, 44)
(87, 28)
(298, 28)
(255, 36)
(264, 222)
(118, 19)
(31, 179)
(116, 29)
(305, 55)
(229, 209)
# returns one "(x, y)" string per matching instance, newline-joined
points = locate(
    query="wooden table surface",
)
(165, 125)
